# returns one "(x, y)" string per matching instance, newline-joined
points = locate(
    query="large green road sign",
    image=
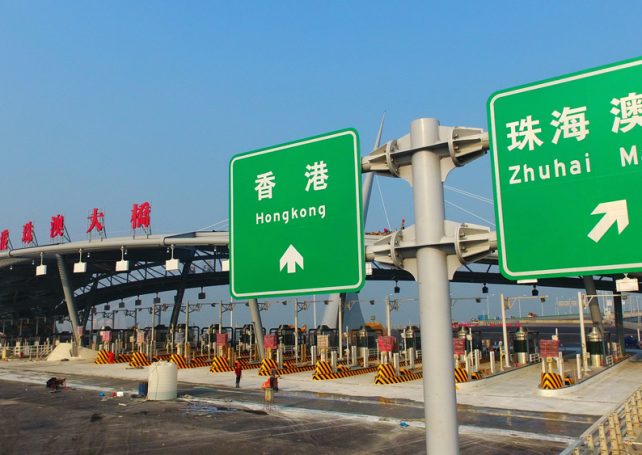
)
(296, 222)
(568, 173)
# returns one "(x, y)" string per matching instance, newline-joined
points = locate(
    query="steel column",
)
(258, 326)
(440, 404)
(593, 304)
(69, 298)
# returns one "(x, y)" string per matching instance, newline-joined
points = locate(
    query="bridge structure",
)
(70, 278)
(78, 276)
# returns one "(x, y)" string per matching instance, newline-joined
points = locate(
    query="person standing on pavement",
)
(238, 371)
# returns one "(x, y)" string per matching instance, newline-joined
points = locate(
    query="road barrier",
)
(614, 433)
(461, 375)
(551, 381)
(139, 360)
(323, 371)
(386, 375)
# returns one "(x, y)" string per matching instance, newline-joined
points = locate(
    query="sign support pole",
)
(296, 331)
(580, 302)
(258, 326)
(440, 404)
(502, 301)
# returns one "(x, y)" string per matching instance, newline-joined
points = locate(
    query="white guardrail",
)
(615, 432)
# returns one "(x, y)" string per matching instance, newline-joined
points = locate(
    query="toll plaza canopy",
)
(29, 290)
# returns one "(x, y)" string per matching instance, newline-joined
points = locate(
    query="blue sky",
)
(103, 104)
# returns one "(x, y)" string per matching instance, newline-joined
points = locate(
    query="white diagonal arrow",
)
(614, 212)
(291, 258)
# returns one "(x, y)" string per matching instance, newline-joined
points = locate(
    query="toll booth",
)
(246, 338)
(285, 336)
(411, 338)
(525, 343)
(333, 336)
(366, 337)
(595, 347)
(208, 335)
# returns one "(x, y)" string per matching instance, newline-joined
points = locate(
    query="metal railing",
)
(27, 351)
(614, 432)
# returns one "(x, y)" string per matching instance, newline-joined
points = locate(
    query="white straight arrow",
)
(614, 212)
(291, 258)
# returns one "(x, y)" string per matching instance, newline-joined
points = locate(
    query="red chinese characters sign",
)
(549, 348)
(4, 240)
(140, 217)
(57, 227)
(96, 221)
(269, 341)
(27, 233)
(386, 344)
(459, 346)
(221, 339)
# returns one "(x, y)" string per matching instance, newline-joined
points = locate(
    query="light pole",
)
(580, 303)
(505, 303)
(390, 305)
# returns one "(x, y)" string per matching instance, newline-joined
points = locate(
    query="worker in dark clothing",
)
(274, 381)
(238, 371)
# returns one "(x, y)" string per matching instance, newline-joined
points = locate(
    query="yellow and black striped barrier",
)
(461, 375)
(139, 360)
(551, 381)
(405, 377)
(476, 375)
(386, 370)
(200, 362)
(165, 357)
(179, 360)
(267, 365)
(568, 380)
(220, 365)
(123, 358)
(102, 358)
(323, 371)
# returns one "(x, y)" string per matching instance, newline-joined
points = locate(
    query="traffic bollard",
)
(313, 355)
(492, 362)
(395, 360)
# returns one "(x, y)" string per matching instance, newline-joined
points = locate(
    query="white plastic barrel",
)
(163, 379)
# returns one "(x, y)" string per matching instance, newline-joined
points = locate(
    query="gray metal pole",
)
(296, 331)
(153, 340)
(340, 325)
(440, 404)
(619, 318)
(593, 304)
(504, 332)
(258, 326)
(580, 307)
(69, 297)
(387, 299)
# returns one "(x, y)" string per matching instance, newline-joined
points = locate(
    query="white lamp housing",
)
(41, 270)
(122, 266)
(80, 267)
(627, 285)
(368, 268)
(225, 265)
(172, 264)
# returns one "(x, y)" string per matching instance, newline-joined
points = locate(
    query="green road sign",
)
(296, 222)
(567, 173)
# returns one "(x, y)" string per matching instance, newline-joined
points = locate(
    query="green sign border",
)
(503, 260)
(359, 218)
